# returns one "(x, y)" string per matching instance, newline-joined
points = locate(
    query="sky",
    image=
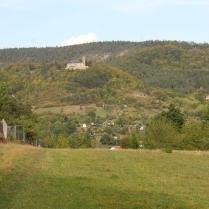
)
(46, 23)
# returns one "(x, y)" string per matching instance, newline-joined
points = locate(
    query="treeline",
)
(17, 113)
(172, 130)
(161, 54)
(96, 51)
(168, 130)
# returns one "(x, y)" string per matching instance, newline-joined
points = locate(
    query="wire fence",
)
(17, 131)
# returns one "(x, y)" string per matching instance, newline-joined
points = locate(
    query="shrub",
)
(191, 135)
(78, 141)
(168, 149)
(62, 142)
(160, 134)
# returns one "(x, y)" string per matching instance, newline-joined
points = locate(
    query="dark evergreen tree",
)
(174, 115)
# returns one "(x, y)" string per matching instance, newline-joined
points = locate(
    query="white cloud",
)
(86, 38)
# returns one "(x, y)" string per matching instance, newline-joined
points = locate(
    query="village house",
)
(77, 65)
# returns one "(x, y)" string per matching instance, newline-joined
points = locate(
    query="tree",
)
(58, 128)
(122, 120)
(16, 110)
(205, 133)
(131, 141)
(206, 114)
(125, 143)
(107, 139)
(134, 139)
(30, 128)
(49, 142)
(161, 134)
(78, 141)
(70, 127)
(4, 97)
(191, 135)
(62, 142)
(173, 115)
(91, 114)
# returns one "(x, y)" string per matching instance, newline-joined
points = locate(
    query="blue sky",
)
(41, 23)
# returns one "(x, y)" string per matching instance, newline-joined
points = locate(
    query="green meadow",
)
(69, 109)
(99, 178)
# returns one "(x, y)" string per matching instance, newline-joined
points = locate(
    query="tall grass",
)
(51, 178)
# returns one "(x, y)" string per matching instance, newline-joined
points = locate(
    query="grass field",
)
(73, 109)
(66, 178)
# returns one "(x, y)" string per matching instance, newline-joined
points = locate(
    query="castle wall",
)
(75, 64)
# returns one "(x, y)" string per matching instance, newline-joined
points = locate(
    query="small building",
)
(84, 125)
(141, 128)
(77, 65)
(115, 148)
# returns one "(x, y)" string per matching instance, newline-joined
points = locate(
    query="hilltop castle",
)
(77, 65)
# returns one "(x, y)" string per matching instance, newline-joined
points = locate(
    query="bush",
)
(78, 141)
(160, 134)
(107, 139)
(125, 143)
(62, 142)
(168, 149)
(192, 135)
(132, 141)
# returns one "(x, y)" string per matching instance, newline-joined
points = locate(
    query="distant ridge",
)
(96, 51)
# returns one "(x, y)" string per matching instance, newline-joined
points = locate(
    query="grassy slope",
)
(43, 178)
(69, 109)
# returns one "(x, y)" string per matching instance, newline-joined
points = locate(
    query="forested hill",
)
(157, 54)
(179, 66)
(167, 55)
(97, 51)
(45, 84)
(173, 65)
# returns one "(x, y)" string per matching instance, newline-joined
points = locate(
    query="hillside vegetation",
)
(48, 178)
(171, 65)
(178, 66)
(127, 86)
(52, 85)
